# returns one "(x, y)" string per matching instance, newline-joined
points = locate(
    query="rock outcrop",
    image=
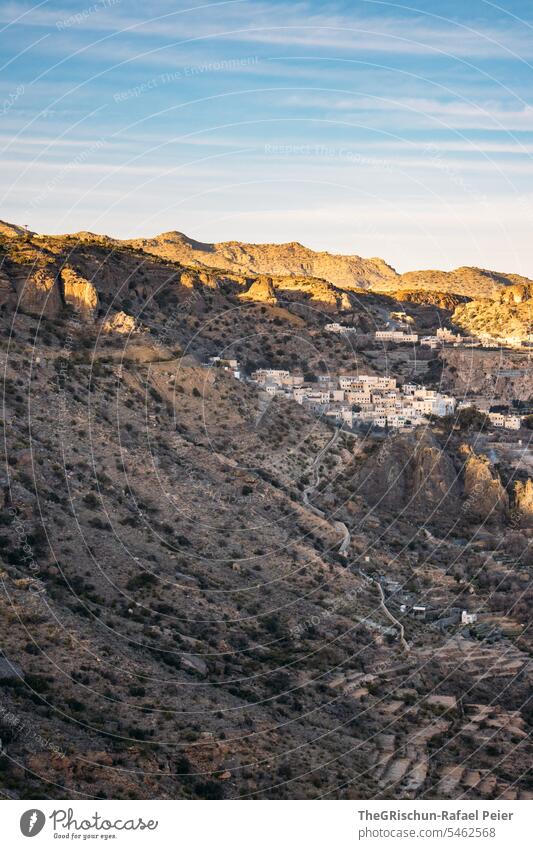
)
(523, 500)
(79, 293)
(39, 293)
(121, 322)
(486, 497)
(262, 291)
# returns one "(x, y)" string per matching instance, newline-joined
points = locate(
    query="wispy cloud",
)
(450, 113)
(298, 24)
(425, 118)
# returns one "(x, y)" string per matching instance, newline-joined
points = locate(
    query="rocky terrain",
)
(472, 282)
(202, 588)
(291, 259)
(508, 313)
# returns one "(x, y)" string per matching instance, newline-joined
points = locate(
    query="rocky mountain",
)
(508, 313)
(202, 587)
(471, 282)
(347, 272)
(290, 259)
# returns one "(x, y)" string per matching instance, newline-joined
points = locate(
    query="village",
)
(349, 400)
(353, 400)
(402, 335)
(375, 401)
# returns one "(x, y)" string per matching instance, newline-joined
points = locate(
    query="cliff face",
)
(416, 477)
(486, 498)
(39, 293)
(79, 293)
(413, 475)
(523, 501)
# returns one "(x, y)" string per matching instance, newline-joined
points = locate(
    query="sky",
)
(403, 131)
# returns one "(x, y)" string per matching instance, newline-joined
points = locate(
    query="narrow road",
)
(405, 645)
(391, 618)
(339, 526)
(316, 477)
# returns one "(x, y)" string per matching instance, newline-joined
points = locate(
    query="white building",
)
(444, 334)
(468, 618)
(275, 374)
(395, 336)
(510, 422)
(335, 327)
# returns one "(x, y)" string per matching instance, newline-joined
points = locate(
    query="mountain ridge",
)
(293, 259)
(38, 268)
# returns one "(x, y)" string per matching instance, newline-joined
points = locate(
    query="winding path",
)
(312, 486)
(405, 645)
(339, 526)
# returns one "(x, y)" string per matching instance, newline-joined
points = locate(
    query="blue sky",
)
(374, 128)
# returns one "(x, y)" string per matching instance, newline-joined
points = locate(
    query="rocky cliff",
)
(486, 500)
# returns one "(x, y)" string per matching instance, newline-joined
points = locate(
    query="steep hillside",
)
(201, 586)
(290, 259)
(442, 300)
(508, 313)
(472, 282)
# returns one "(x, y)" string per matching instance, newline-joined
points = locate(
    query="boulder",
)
(121, 322)
(194, 663)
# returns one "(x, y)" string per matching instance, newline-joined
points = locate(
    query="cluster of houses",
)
(506, 420)
(358, 399)
(443, 336)
(363, 399)
(510, 421)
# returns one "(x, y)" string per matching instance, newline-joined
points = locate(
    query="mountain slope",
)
(177, 619)
(290, 259)
(472, 282)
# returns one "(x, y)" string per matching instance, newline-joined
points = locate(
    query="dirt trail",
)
(339, 526)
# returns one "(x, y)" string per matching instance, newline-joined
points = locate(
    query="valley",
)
(217, 582)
